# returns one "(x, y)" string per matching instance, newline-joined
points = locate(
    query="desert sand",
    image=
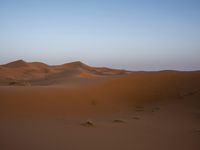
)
(77, 107)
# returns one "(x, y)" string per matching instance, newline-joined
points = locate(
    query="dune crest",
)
(17, 64)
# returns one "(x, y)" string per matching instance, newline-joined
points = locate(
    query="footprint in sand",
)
(136, 117)
(88, 123)
(118, 121)
(139, 108)
(155, 109)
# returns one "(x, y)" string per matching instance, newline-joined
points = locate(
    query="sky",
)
(124, 34)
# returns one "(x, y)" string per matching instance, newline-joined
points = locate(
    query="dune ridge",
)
(37, 73)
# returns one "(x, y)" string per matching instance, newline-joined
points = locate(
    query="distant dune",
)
(75, 106)
(36, 73)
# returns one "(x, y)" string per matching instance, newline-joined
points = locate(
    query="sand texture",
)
(77, 107)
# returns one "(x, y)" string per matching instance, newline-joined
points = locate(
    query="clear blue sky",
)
(129, 34)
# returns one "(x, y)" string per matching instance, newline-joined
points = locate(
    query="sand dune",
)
(75, 106)
(37, 73)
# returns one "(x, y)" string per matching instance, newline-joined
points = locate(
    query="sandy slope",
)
(138, 110)
(23, 73)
